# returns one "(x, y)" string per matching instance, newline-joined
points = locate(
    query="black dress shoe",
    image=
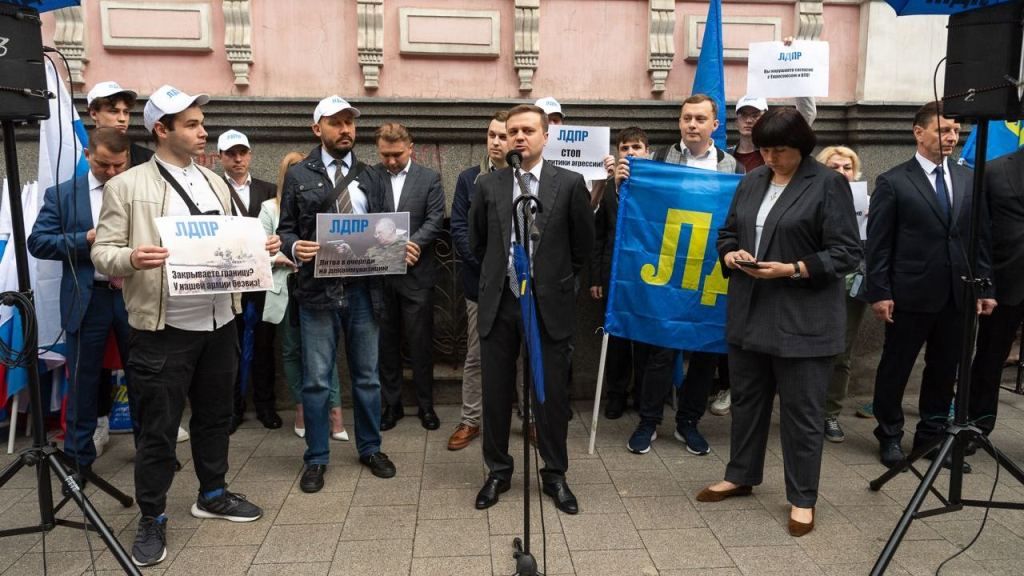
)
(379, 464)
(615, 408)
(390, 417)
(890, 453)
(564, 499)
(429, 419)
(269, 419)
(488, 495)
(947, 463)
(312, 478)
(236, 421)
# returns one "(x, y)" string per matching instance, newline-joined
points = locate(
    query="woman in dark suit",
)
(789, 240)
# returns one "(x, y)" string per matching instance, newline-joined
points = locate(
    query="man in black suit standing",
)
(565, 236)
(916, 254)
(1004, 189)
(247, 194)
(405, 186)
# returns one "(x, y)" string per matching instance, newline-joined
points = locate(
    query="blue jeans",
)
(320, 331)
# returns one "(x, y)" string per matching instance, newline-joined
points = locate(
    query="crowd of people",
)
(801, 280)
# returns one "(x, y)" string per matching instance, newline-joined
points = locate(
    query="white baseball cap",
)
(550, 106)
(752, 101)
(108, 88)
(230, 139)
(168, 100)
(332, 105)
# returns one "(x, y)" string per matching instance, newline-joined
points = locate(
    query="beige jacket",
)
(131, 202)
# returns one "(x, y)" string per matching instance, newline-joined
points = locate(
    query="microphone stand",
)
(526, 564)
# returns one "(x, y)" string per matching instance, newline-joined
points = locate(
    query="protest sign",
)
(578, 148)
(215, 254)
(860, 204)
(775, 70)
(361, 244)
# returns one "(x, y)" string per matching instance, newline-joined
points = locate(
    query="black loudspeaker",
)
(983, 63)
(23, 94)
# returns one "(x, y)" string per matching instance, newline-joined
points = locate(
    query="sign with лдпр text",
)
(578, 148)
(361, 244)
(775, 70)
(215, 254)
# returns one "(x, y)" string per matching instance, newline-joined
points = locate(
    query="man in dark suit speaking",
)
(565, 235)
(919, 217)
(1004, 190)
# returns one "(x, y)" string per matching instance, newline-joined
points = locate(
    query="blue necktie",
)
(940, 190)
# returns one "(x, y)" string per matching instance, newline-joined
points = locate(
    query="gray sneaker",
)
(833, 431)
(150, 545)
(227, 506)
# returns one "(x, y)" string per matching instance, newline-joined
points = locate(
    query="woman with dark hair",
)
(787, 244)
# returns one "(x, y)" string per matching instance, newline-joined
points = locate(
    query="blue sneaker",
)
(640, 441)
(695, 443)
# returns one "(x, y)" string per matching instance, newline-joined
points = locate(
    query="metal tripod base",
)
(526, 564)
(47, 459)
(954, 442)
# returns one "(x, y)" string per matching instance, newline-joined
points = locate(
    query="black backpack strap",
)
(341, 185)
(192, 208)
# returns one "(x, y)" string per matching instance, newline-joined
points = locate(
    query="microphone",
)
(514, 159)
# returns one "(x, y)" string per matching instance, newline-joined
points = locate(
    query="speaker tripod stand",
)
(44, 456)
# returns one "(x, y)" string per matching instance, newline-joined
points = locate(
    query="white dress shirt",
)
(355, 193)
(242, 190)
(532, 178)
(929, 169)
(708, 160)
(197, 312)
(398, 183)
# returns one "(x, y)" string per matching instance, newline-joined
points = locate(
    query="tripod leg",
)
(908, 513)
(100, 483)
(9, 472)
(92, 516)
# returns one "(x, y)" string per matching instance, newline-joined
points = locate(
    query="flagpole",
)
(597, 392)
(12, 433)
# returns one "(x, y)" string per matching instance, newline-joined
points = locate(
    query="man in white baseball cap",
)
(552, 108)
(247, 196)
(182, 348)
(110, 105)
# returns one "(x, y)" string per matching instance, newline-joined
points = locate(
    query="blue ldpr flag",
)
(710, 77)
(1004, 137)
(42, 5)
(529, 310)
(666, 286)
(912, 7)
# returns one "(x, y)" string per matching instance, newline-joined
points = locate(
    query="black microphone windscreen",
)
(514, 158)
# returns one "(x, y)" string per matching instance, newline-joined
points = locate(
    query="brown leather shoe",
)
(463, 435)
(798, 529)
(709, 495)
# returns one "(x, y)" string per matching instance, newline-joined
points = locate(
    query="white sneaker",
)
(101, 436)
(182, 434)
(720, 405)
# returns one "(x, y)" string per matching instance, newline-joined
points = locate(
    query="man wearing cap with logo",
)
(183, 348)
(328, 181)
(552, 108)
(110, 105)
(749, 110)
(247, 194)
(91, 305)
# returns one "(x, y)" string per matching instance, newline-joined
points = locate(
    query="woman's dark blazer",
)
(813, 221)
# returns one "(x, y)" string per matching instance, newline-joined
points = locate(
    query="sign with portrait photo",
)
(361, 244)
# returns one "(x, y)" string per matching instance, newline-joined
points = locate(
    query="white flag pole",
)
(12, 432)
(597, 392)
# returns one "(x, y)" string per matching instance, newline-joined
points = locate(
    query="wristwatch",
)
(796, 272)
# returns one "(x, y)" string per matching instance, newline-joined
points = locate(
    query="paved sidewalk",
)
(638, 515)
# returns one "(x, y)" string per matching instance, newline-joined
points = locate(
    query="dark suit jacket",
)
(813, 221)
(48, 242)
(259, 192)
(565, 225)
(465, 191)
(916, 256)
(1004, 187)
(139, 154)
(604, 236)
(423, 198)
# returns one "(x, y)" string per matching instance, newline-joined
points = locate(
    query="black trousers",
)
(995, 339)
(801, 384)
(622, 365)
(942, 332)
(263, 370)
(408, 312)
(692, 397)
(166, 368)
(498, 353)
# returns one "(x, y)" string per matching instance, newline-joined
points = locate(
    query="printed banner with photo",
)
(361, 244)
(215, 254)
(579, 148)
(775, 70)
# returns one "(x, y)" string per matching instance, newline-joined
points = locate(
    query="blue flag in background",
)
(530, 327)
(1004, 137)
(710, 77)
(43, 5)
(666, 286)
(911, 7)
